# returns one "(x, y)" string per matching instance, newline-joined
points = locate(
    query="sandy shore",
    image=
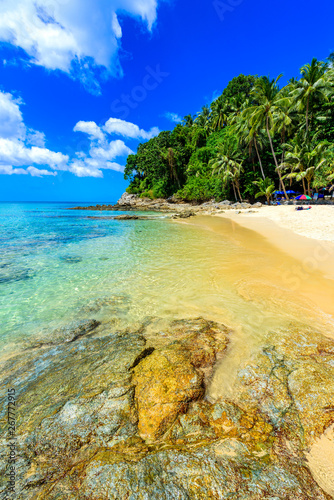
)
(317, 223)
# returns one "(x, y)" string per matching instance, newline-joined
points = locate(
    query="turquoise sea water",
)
(59, 266)
(54, 262)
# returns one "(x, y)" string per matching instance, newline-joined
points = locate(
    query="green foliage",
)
(254, 132)
(265, 187)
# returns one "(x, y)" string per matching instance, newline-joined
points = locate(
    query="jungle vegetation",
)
(254, 138)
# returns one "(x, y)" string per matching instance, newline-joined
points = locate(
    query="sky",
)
(82, 83)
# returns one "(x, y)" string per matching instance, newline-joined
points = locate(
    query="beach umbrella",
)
(303, 197)
(291, 192)
(278, 192)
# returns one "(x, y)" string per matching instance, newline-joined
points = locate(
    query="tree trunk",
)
(308, 188)
(275, 159)
(283, 148)
(239, 192)
(235, 194)
(307, 110)
(259, 158)
(304, 187)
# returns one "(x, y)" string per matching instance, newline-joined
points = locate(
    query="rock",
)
(183, 215)
(258, 204)
(116, 418)
(68, 333)
(165, 383)
(115, 302)
(173, 376)
(127, 217)
(127, 199)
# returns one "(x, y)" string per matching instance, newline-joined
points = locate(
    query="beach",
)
(200, 346)
(317, 223)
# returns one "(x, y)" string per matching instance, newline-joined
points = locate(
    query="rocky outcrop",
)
(172, 377)
(181, 209)
(116, 417)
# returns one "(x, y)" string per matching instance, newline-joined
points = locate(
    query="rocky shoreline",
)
(176, 208)
(172, 206)
(113, 416)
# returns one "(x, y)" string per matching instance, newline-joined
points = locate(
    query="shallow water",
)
(59, 265)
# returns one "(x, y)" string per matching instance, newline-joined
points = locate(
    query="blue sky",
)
(82, 83)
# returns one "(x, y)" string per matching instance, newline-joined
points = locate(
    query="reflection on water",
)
(123, 272)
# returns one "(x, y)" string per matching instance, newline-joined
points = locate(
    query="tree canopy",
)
(254, 138)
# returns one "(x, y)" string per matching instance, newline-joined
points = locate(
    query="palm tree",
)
(170, 156)
(266, 113)
(188, 121)
(203, 117)
(249, 137)
(303, 159)
(218, 115)
(228, 164)
(266, 188)
(312, 87)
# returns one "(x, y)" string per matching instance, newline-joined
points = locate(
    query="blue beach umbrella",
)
(291, 192)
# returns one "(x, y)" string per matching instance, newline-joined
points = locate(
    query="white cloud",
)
(9, 170)
(74, 36)
(128, 129)
(11, 120)
(35, 138)
(15, 140)
(80, 169)
(24, 147)
(100, 157)
(37, 172)
(17, 154)
(110, 151)
(91, 129)
(173, 117)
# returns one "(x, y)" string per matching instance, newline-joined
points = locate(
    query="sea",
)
(60, 266)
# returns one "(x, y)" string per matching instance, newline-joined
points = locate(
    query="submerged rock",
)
(15, 275)
(68, 333)
(71, 259)
(114, 418)
(127, 217)
(117, 302)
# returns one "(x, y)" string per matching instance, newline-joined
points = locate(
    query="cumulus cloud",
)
(35, 138)
(9, 170)
(21, 146)
(91, 129)
(128, 129)
(17, 154)
(102, 153)
(173, 117)
(74, 36)
(11, 120)
(37, 172)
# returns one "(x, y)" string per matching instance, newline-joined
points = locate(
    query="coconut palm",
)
(312, 87)
(266, 188)
(188, 121)
(228, 164)
(218, 115)
(265, 114)
(249, 138)
(170, 156)
(303, 158)
(203, 117)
